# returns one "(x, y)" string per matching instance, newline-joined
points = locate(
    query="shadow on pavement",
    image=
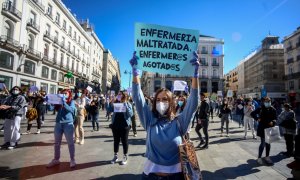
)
(232, 172)
(39, 171)
(31, 144)
(97, 137)
(123, 176)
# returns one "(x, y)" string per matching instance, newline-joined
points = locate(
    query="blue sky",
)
(241, 23)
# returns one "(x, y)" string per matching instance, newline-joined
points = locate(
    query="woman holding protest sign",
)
(121, 121)
(163, 133)
(64, 125)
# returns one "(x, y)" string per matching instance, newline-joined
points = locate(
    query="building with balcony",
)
(231, 81)
(211, 69)
(263, 71)
(110, 72)
(292, 66)
(41, 40)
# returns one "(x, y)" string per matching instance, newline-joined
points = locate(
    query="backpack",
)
(31, 114)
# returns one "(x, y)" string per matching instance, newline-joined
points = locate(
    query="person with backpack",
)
(80, 104)
(64, 125)
(12, 109)
(94, 110)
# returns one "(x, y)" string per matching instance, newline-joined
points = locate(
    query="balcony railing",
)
(291, 60)
(289, 48)
(204, 52)
(49, 14)
(9, 40)
(39, 4)
(215, 64)
(298, 44)
(33, 24)
(203, 63)
(34, 52)
(292, 76)
(215, 77)
(7, 6)
(48, 36)
(203, 76)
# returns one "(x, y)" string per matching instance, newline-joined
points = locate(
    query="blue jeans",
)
(239, 119)
(95, 121)
(68, 130)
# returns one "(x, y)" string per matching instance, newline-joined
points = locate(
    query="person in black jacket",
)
(202, 117)
(94, 111)
(266, 117)
(225, 111)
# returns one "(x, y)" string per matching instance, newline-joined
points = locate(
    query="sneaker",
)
(227, 135)
(72, 163)
(5, 145)
(115, 159)
(201, 142)
(2, 129)
(268, 160)
(221, 134)
(38, 131)
(260, 161)
(27, 132)
(42, 122)
(81, 142)
(124, 161)
(135, 135)
(11, 147)
(53, 163)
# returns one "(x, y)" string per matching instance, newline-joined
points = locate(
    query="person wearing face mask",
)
(13, 110)
(248, 109)
(225, 111)
(161, 124)
(80, 103)
(94, 110)
(180, 104)
(64, 126)
(121, 122)
(266, 117)
(288, 124)
(202, 117)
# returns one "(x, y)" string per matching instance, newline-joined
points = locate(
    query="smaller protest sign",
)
(220, 93)
(119, 107)
(33, 89)
(179, 85)
(112, 93)
(2, 86)
(54, 98)
(213, 96)
(229, 93)
(89, 88)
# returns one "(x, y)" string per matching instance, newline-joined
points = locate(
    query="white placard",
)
(89, 88)
(179, 85)
(54, 99)
(112, 93)
(119, 107)
(220, 93)
(240, 106)
(229, 93)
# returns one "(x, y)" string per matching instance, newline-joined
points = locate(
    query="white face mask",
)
(162, 107)
(95, 99)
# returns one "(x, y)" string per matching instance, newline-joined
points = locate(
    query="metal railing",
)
(33, 25)
(7, 6)
(204, 52)
(47, 34)
(39, 4)
(215, 64)
(34, 52)
(289, 48)
(9, 40)
(203, 63)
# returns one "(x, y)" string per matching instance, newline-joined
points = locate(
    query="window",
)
(55, 56)
(70, 30)
(45, 72)
(48, 29)
(6, 60)
(56, 36)
(169, 85)
(69, 46)
(44, 87)
(53, 74)
(61, 77)
(65, 25)
(8, 30)
(32, 18)
(31, 41)
(214, 61)
(49, 10)
(68, 62)
(75, 36)
(203, 60)
(63, 41)
(46, 50)
(291, 85)
(52, 89)
(57, 19)
(61, 59)
(215, 73)
(290, 69)
(29, 67)
(204, 72)
(275, 76)
(7, 81)
(157, 85)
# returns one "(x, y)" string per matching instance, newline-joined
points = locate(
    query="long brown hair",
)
(170, 112)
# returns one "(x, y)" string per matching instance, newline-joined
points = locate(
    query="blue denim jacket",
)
(66, 113)
(127, 115)
(163, 136)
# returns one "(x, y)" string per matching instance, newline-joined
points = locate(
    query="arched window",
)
(8, 29)
(31, 41)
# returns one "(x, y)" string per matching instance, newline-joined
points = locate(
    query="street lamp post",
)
(128, 72)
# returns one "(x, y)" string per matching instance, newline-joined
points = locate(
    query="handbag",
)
(220, 115)
(272, 134)
(188, 158)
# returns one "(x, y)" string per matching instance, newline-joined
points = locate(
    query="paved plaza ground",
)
(226, 158)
